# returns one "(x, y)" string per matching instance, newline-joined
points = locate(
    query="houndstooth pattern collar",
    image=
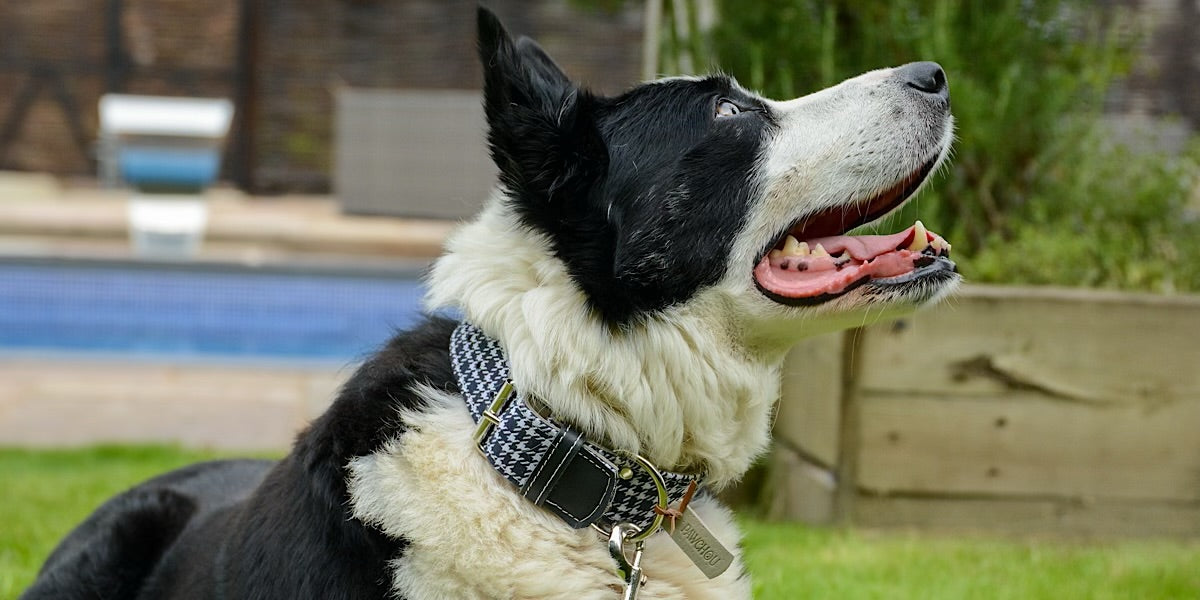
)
(520, 440)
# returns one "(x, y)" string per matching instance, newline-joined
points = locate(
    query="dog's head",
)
(688, 185)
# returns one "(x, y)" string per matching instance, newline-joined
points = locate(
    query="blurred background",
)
(211, 211)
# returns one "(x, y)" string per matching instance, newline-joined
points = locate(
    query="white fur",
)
(836, 147)
(844, 144)
(471, 535)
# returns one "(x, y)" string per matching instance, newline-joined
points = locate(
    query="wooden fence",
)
(1017, 410)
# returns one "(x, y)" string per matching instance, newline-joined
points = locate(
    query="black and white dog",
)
(637, 278)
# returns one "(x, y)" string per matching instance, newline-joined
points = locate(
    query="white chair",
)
(169, 151)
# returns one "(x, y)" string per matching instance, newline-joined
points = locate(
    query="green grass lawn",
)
(48, 492)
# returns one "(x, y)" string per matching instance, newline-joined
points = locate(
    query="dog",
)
(625, 300)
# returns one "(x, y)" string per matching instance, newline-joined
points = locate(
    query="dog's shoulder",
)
(367, 411)
(303, 505)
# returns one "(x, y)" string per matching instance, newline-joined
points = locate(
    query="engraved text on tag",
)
(700, 545)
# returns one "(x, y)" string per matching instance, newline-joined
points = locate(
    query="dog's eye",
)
(726, 108)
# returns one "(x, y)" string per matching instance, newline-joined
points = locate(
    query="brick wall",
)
(304, 49)
(309, 48)
(35, 36)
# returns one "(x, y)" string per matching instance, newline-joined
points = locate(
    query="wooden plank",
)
(1031, 517)
(1029, 445)
(809, 409)
(1081, 346)
(850, 432)
(797, 489)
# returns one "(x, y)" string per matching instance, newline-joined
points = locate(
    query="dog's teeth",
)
(790, 246)
(842, 259)
(938, 244)
(920, 238)
(774, 254)
(820, 252)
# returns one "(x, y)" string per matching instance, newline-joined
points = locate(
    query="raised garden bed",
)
(1023, 410)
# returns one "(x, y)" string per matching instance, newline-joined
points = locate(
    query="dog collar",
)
(549, 462)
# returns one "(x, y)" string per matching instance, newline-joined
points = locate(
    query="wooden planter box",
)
(1020, 410)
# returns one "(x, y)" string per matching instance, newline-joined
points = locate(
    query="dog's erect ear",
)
(517, 73)
(540, 126)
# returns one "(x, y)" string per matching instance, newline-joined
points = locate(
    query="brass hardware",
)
(663, 497)
(625, 473)
(491, 416)
(629, 570)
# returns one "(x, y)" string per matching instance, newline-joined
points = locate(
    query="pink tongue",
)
(874, 256)
(862, 247)
(825, 278)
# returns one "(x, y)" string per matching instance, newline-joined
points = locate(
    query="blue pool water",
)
(165, 310)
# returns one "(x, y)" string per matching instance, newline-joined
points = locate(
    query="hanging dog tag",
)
(700, 545)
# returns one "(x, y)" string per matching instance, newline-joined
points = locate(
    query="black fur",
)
(640, 194)
(256, 529)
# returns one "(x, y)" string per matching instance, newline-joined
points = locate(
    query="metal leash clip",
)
(629, 570)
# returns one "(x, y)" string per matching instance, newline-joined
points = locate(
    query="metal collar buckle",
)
(491, 415)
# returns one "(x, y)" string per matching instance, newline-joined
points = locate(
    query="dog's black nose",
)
(927, 77)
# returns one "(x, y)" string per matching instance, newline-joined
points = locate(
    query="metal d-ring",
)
(664, 498)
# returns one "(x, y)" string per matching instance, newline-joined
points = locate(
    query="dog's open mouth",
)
(814, 262)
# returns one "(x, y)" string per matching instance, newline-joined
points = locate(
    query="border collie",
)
(627, 296)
